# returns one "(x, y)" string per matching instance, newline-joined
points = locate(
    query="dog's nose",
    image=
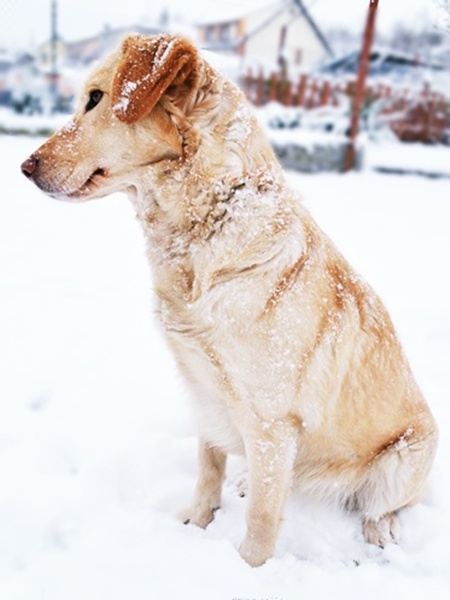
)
(28, 167)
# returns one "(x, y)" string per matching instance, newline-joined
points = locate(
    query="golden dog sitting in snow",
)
(291, 357)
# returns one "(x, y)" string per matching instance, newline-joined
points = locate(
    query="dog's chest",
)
(217, 408)
(200, 337)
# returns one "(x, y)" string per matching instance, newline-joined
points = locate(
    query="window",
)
(225, 33)
(210, 33)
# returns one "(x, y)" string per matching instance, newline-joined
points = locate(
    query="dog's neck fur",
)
(178, 206)
(212, 143)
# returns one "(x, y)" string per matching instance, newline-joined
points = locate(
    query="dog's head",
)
(129, 116)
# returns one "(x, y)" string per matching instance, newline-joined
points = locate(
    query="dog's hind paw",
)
(383, 531)
(242, 485)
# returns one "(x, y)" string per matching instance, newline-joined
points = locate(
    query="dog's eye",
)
(94, 98)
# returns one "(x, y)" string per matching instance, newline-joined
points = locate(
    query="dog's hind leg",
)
(211, 463)
(394, 479)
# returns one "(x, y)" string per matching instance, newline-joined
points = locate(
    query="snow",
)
(97, 446)
(14, 122)
(308, 138)
(124, 100)
(421, 158)
(167, 48)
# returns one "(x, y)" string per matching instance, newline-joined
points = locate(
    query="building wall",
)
(302, 48)
(261, 31)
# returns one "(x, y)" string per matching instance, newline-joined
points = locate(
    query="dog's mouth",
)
(98, 172)
(93, 180)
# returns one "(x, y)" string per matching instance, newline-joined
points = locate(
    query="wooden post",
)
(248, 85)
(359, 91)
(288, 92)
(273, 88)
(312, 99)
(301, 91)
(260, 89)
(325, 94)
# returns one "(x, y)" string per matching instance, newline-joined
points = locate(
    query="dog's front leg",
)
(270, 449)
(211, 464)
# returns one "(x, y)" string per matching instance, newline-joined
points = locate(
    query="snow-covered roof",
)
(233, 11)
(265, 11)
(381, 61)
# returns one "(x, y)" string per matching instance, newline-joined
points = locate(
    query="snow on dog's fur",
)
(291, 357)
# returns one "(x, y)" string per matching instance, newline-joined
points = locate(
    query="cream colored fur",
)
(291, 357)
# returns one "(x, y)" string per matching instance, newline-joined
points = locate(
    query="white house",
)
(267, 32)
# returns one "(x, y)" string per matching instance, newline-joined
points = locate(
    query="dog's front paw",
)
(255, 553)
(199, 515)
(383, 531)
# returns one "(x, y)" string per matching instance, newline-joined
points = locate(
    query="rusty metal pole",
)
(360, 83)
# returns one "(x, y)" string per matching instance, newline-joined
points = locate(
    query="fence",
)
(412, 114)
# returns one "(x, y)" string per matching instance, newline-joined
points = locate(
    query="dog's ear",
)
(149, 66)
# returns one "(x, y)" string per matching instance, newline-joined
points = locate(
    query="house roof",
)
(91, 48)
(229, 14)
(233, 11)
(382, 61)
(114, 32)
(313, 24)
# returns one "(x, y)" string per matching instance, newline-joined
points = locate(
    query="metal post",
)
(360, 82)
(54, 57)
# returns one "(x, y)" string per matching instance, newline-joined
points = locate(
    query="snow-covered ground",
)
(12, 122)
(97, 446)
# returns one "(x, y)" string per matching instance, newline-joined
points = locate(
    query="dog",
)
(292, 359)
